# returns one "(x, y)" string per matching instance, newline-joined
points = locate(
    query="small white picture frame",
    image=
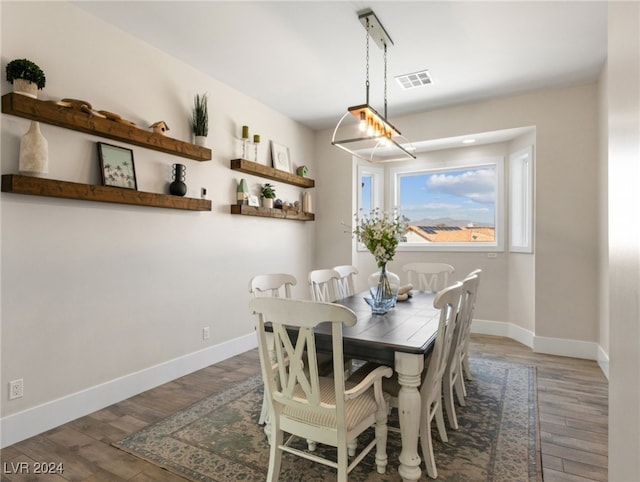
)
(254, 201)
(280, 157)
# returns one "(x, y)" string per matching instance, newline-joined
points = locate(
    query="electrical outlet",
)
(16, 389)
(205, 333)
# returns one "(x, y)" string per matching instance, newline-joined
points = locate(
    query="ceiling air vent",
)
(416, 79)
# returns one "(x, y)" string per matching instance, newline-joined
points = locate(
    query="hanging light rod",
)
(376, 30)
(371, 137)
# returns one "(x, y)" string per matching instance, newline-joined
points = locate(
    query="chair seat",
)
(356, 410)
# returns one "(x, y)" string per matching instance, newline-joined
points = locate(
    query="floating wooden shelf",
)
(38, 186)
(51, 113)
(246, 210)
(267, 172)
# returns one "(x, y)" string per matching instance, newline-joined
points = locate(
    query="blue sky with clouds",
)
(465, 194)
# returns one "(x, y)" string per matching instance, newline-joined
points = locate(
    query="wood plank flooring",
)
(572, 400)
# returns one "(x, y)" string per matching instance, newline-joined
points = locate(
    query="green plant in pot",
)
(200, 119)
(268, 194)
(27, 78)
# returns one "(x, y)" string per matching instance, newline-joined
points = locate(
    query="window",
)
(371, 189)
(521, 201)
(458, 207)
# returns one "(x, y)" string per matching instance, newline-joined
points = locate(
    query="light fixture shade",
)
(365, 134)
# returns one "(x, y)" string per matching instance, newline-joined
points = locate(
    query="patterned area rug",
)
(218, 439)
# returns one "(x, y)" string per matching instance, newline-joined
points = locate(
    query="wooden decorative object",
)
(76, 119)
(13, 183)
(246, 210)
(268, 172)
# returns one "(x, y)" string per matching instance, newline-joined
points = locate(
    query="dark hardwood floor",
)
(572, 400)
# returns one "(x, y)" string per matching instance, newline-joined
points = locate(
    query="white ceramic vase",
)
(267, 202)
(25, 87)
(34, 156)
(201, 141)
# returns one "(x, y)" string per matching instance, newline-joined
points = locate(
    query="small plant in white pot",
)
(200, 119)
(268, 195)
(27, 78)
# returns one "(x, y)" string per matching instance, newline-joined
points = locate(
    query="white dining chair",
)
(346, 285)
(323, 284)
(453, 379)
(275, 285)
(306, 405)
(447, 301)
(428, 276)
(467, 332)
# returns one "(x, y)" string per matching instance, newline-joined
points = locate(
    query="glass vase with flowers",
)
(380, 233)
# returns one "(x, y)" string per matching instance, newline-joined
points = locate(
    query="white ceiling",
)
(307, 59)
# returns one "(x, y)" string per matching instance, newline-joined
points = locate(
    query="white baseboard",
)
(30, 422)
(603, 362)
(499, 328)
(540, 344)
(572, 348)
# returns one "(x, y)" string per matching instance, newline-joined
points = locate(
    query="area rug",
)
(218, 439)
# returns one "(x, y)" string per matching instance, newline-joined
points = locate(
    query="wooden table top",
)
(410, 327)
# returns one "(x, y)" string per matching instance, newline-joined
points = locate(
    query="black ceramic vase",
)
(178, 187)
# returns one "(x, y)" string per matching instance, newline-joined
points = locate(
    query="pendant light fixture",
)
(362, 131)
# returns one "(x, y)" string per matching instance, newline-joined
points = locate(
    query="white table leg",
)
(409, 367)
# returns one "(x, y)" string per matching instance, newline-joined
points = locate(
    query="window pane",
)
(365, 194)
(521, 201)
(450, 206)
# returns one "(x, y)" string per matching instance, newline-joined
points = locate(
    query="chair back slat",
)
(467, 304)
(465, 334)
(324, 285)
(448, 302)
(345, 283)
(296, 373)
(428, 276)
(272, 285)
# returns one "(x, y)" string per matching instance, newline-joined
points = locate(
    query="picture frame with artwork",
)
(116, 166)
(280, 157)
(254, 201)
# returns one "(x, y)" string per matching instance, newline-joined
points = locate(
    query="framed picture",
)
(254, 201)
(280, 157)
(116, 166)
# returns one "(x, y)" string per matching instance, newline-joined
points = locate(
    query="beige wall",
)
(167, 274)
(603, 221)
(563, 291)
(93, 292)
(623, 101)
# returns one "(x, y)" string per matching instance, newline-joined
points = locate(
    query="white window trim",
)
(377, 191)
(521, 189)
(377, 186)
(498, 244)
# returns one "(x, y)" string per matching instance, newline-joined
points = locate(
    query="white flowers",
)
(380, 233)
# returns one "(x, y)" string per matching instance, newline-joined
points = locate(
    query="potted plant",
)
(27, 78)
(200, 119)
(268, 195)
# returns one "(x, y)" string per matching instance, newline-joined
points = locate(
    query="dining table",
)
(400, 339)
